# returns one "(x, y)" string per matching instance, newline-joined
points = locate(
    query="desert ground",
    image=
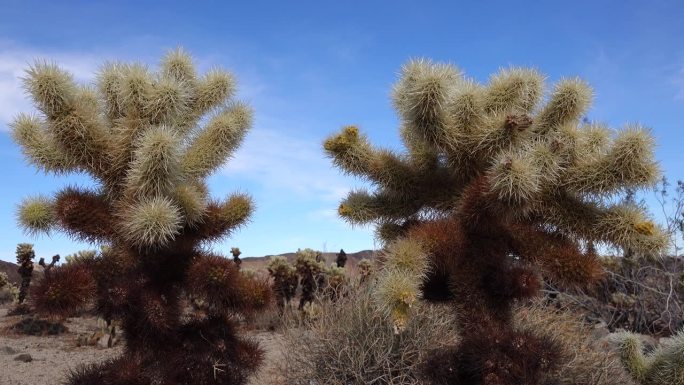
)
(52, 357)
(47, 360)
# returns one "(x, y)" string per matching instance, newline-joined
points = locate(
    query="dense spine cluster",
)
(499, 182)
(663, 366)
(149, 139)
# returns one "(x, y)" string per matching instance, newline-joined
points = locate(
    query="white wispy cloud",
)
(678, 82)
(298, 165)
(15, 59)
(328, 214)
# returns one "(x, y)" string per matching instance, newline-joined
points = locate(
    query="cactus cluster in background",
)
(4, 281)
(285, 281)
(310, 270)
(25, 256)
(48, 267)
(149, 139)
(365, 268)
(663, 366)
(498, 182)
(335, 281)
(8, 291)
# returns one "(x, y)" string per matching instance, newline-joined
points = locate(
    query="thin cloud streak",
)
(277, 161)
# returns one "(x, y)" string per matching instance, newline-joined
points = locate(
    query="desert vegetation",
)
(514, 251)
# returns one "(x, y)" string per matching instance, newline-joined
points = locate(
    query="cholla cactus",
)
(310, 271)
(335, 281)
(81, 256)
(399, 282)
(235, 251)
(285, 281)
(48, 267)
(25, 256)
(4, 281)
(63, 291)
(341, 258)
(149, 138)
(664, 366)
(365, 268)
(7, 289)
(496, 183)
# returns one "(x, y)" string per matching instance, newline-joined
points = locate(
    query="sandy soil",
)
(53, 356)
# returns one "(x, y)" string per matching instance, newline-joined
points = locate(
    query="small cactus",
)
(365, 268)
(310, 269)
(48, 267)
(63, 292)
(25, 256)
(335, 281)
(8, 290)
(664, 366)
(4, 281)
(285, 281)
(236, 256)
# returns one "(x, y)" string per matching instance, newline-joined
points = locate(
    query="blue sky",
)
(309, 68)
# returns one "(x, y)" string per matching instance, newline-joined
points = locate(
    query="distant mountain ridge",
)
(13, 276)
(256, 263)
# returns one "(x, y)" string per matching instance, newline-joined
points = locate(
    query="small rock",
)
(104, 341)
(24, 357)
(600, 331)
(94, 338)
(8, 350)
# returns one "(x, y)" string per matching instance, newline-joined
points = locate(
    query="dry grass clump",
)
(352, 341)
(583, 360)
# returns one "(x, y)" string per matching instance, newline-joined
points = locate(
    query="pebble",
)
(8, 350)
(24, 357)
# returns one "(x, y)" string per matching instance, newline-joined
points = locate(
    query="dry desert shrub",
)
(352, 341)
(637, 294)
(584, 359)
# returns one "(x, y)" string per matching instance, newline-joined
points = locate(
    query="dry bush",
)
(636, 294)
(6, 296)
(38, 327)
(584, 361)
(8, 292)
(351, 341)
(642, 295)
